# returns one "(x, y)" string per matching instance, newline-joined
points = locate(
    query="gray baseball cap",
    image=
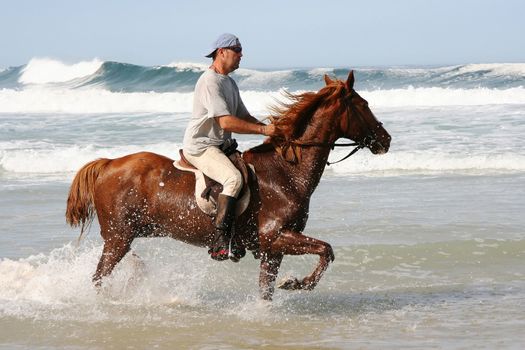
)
(224, 40)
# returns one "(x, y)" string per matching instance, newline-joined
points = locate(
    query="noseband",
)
(368, 140)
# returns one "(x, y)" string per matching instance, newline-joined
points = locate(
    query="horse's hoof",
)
(256, 254)
(237, 254)
(219, 255)
(234, 258)
(290, 284)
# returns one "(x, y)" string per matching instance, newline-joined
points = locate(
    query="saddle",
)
(207, 190)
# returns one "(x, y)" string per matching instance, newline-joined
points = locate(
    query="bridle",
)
(368, 140)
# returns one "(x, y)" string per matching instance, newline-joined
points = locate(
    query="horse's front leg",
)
(269, 268)
(295, 243)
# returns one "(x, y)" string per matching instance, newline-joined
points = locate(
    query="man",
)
(217, 112)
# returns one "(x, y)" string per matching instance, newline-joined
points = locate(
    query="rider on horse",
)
(218, 111)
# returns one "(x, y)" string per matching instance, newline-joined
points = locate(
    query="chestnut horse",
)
(144, 195)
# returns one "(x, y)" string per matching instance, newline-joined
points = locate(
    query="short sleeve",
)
(213, 100)
(241, 110)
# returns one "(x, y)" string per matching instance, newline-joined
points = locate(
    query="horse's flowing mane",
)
(292, 118)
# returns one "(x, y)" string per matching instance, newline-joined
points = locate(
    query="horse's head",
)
(357, 122)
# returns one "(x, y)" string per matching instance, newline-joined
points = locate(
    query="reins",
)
(359, 145)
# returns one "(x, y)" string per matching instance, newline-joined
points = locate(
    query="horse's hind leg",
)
(115, 248)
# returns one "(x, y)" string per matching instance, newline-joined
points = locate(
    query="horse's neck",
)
(308, 171)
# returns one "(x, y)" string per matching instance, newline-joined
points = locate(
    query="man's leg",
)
(214, 164)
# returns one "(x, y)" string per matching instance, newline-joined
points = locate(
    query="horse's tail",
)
(80, 205)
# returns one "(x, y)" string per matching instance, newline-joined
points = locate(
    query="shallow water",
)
(419, 263)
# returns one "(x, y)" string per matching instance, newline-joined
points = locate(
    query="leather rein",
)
(369, 139)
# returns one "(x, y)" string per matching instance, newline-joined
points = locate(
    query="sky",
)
(274, 33)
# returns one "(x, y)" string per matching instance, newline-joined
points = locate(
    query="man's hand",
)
(269, 130)
(241, 126)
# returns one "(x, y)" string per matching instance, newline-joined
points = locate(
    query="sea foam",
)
(76, 101)
(437, 96)
(47, 286)
(430, 162)
(50, 100)
(67, 159)
(58, 100)
(64, 159)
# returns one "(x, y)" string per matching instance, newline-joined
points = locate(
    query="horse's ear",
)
(327, 80)
(350, 81)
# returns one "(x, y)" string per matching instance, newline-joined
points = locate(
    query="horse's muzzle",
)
(379, 147)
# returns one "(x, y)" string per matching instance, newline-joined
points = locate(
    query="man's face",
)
(232, 57)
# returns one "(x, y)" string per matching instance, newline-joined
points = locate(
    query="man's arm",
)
(242, 126)
(252, 119)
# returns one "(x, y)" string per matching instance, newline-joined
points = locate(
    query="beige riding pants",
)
(214, 164)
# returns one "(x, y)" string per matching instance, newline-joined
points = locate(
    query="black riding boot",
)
(223, 227)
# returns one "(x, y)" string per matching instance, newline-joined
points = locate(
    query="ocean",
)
(429, 238)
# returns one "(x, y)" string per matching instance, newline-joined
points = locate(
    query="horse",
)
(144, 195)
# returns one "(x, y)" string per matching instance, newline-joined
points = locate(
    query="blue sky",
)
(274, 34)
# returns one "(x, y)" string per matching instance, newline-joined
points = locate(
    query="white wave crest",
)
(195, 67)
(39, 99)
(260, 101)
(54, 159)
(492, 69)
(48, 100)
(320, 72)
(443, 97)
(46, 70)
(431, 162)
(496, 69)
(253, 77)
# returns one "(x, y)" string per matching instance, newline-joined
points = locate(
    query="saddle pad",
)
(209, 207)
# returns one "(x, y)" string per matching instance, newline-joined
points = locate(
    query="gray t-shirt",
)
(215, 95)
